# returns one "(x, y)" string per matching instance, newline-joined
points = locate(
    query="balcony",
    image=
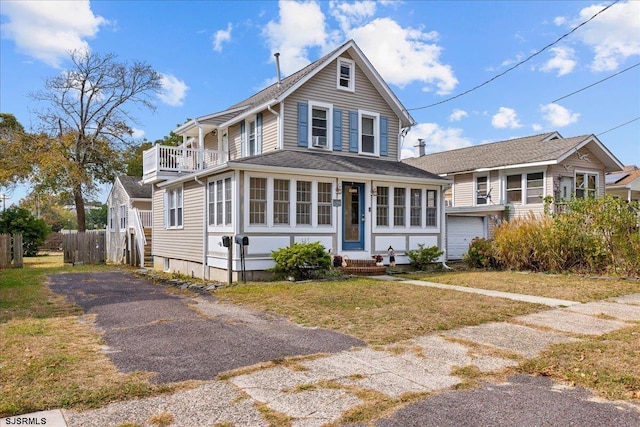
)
(163, 162)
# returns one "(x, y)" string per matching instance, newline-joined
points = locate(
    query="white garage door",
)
(460, 231)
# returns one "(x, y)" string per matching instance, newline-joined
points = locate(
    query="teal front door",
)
(352, 216)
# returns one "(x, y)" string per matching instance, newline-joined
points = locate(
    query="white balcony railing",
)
(163, 158)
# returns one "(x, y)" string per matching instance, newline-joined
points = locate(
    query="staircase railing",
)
(141, 240)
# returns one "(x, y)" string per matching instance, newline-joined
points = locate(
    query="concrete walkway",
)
(319, 390)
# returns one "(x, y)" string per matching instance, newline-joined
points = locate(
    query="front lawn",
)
(375, 311)
(567, 287)
(49, 352)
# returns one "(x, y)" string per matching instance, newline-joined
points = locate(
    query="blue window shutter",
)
(353, 131)
(337, 129)
(303, 124)
(384, 136)
(259, 133)
(243, 139)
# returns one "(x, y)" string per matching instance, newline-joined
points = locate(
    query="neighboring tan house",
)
(129, 221)
(509, 179)
(624, 184)
(313, 157)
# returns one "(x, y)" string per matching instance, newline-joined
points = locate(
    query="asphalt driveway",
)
(182, 338)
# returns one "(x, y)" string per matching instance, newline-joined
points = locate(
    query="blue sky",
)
(213, 54)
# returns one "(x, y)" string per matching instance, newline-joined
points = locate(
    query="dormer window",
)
(346, 75)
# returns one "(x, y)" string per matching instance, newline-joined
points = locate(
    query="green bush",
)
(480, 254)
(301, 261)
(422, 257)
(16, 220)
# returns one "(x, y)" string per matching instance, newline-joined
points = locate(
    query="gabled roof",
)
(546, 148)
(622, 178)
(329, 164)
(276, 93)
(134, 187)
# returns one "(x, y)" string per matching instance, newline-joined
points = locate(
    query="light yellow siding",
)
(463, 190)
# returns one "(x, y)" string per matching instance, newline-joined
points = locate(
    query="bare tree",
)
(87, 123)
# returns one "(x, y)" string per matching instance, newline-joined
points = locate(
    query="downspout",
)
(443, 227)
(205, 234)
(275, 113)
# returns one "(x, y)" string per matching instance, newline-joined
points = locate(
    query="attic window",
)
(345, 75)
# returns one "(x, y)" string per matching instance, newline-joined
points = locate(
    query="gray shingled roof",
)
(333, 162)
(530, 149)
(134, 187)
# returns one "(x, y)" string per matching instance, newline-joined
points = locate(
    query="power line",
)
(593, 84)
(515, 66)
(619, 126)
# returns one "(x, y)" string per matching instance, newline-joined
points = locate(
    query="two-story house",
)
(313, 157)
(509, 179)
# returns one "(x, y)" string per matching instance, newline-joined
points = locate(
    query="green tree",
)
(85, 126)
(50, 208)
(15, 220)
(97, 218)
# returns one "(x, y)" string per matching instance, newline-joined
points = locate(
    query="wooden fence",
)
(84, 248)
(11, 251)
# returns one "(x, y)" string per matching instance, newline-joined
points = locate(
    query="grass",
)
(49, 354)
(608, 364)
(567, 287)
(375, 311)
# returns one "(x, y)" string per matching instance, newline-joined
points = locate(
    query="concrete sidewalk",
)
(319, 390)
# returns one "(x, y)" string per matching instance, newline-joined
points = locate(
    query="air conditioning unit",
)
(319, 141)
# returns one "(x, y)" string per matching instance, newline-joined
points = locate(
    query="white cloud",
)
(437, 139)
(173, 90)
(221, 36)
(48, 30)
(563, 61)
(300, 26)
(505, 118)
(558, 116)
(613, 35)
(350, 14)
(404, 55)
(536, 127)
(137, 133)
(559, 20)
(457, 115)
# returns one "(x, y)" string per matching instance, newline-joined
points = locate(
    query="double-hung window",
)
(481, 190)
(281, 201)
(535, 187)
(258, 201)
(369, 133)
(586, 185)
(174, 208)
(324, 203)
(514, 188)
(220, 202)
(112, 219)
(346, 74)
(382, 207)
(252, 138)
(416, 208)
(432, 208)
(303, 202)
(321, 124)
(399, 206)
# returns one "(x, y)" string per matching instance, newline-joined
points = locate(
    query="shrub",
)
(301, 261)
(422, 257)
(17, 220)
(480, 254)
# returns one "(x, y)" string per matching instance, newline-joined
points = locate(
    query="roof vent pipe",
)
(277, 55)
(421, 147)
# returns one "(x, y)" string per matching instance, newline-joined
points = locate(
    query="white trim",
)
(224, 228)
(167, 209)
(407, 228)
(477, 175)
(376, 132)
(523, 186)
(329, 109)
(586, 172)
(352, 74)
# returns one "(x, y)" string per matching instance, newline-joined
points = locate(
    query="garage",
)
(460, 231)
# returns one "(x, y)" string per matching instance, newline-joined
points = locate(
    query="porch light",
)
(374, 191)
